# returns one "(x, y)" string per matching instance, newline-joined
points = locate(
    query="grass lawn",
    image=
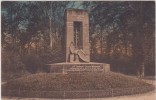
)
(81, 81)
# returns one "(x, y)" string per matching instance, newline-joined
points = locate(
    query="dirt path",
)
(147, 96)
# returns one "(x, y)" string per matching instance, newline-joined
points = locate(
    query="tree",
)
(53, 11)
(125, 25)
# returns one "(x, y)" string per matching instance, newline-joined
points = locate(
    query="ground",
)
(146, 96)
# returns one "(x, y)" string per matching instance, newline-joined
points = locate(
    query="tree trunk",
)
(50, 33)
(138, 43)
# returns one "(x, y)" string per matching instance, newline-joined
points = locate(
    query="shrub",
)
(11, 62)
(33, 63)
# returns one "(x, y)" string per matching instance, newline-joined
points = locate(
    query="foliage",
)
(11, 62)
(125, 29)
(119, 29)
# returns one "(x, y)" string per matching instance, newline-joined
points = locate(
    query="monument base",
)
(67, 67)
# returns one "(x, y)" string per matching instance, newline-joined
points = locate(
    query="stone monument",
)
(77, 34)
(77, 47)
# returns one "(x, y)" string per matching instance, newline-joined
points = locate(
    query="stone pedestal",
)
(106, 67)
(79, 67)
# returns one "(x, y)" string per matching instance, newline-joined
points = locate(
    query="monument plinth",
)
(77, 47)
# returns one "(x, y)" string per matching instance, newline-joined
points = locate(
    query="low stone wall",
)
(77, 94)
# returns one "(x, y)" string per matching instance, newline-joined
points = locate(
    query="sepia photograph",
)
(78, 50)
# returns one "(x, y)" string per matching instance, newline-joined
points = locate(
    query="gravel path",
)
(147, 96)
